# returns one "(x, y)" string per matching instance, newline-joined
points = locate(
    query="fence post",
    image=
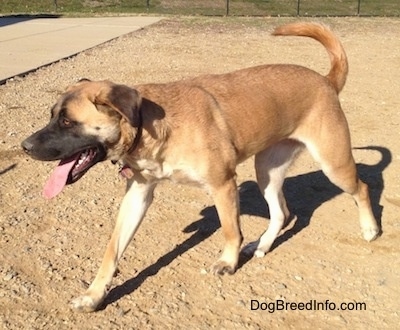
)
(298, 7)
(358, 8)
(227, 7)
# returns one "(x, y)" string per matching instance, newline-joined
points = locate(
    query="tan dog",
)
(197, 131)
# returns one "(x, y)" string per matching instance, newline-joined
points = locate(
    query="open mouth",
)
(71, 169)
(81, 163)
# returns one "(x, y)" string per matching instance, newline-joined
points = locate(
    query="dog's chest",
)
(179, 173)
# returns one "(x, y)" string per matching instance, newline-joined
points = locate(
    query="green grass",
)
(202, 7)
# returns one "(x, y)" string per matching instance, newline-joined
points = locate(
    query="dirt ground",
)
(51, 250)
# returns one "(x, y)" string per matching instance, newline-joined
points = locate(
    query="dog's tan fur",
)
(198, 130)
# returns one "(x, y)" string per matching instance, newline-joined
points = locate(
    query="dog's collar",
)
(138, 136)
(125, 171)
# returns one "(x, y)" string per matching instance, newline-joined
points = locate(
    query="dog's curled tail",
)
(339, 65)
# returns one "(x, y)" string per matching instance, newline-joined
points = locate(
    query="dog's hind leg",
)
(338, 164)
(271, 166)
(133, 208)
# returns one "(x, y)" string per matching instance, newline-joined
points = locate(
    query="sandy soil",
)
(51, 250)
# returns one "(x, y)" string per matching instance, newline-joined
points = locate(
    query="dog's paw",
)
(85, 304)
(252, 249)
(222, 267)
(259, 253)
(370, 234)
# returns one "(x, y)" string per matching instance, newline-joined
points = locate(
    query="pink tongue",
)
(58, 178)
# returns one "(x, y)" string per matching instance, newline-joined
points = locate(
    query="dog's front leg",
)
(227, 203)
(133, 208)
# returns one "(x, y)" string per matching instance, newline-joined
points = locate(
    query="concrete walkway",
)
(29, 43)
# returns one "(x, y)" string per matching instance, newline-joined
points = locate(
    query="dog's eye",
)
(66, 122)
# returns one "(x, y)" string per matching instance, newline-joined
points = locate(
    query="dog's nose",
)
(27, 146)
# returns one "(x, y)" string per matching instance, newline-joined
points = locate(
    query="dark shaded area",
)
(15, 19)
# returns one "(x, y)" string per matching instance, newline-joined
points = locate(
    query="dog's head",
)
(91, 122)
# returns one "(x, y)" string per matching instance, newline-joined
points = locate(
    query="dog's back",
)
(251, 99)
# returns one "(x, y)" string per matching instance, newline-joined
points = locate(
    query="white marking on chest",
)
(179, 173)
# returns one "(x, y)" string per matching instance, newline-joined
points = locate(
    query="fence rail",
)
(207, 7)
(347, 7)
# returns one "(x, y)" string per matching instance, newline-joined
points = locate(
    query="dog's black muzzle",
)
(53, 143)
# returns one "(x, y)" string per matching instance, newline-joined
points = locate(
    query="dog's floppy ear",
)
(123, 99)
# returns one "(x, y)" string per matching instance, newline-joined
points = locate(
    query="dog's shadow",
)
(304, 194)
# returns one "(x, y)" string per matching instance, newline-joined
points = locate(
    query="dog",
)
(196, 131)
